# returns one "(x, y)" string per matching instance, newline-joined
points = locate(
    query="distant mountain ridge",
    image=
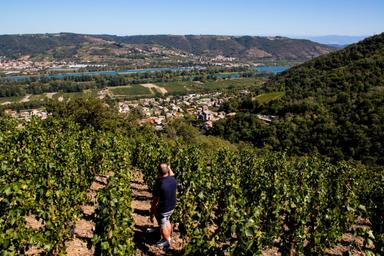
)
(242, 47)
(339, 40)
(247, 47)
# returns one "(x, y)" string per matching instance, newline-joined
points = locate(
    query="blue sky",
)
(237, 17)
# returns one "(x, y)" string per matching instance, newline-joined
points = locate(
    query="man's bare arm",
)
(170, 173)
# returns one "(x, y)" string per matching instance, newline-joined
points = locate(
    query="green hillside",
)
(354, 70)
(333, 104)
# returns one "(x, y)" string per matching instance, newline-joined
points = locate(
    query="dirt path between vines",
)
(81, 242)
(141, 204)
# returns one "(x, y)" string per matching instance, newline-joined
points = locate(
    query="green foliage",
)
(46, 168)
(211, 144)
(7, 124)
(184, 87)
(87, 112)
(371, 192)
(131, 90)
(180, 129)
(267, 97)
(114, 221)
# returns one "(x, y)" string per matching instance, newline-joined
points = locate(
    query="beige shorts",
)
(163, 218)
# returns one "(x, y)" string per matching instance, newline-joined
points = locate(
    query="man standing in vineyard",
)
(164, 202)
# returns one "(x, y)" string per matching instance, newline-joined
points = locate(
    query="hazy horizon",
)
(195, 34)
(323, 39)
(297, 18)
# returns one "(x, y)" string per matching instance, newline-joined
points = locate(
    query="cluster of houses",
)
(23, 65)
(219, 61)
(9, 66)
(27, 114)
(169, 52)
(158, 111)
(165, 53)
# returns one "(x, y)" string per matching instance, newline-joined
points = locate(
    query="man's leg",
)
(166, 231)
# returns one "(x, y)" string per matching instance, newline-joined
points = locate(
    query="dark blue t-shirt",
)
(165, 189)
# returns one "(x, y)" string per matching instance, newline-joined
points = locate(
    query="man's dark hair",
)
(163, 168)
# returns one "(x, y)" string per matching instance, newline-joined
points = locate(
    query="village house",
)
(123, 107)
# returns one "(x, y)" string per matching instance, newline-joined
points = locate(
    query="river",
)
(268, 69)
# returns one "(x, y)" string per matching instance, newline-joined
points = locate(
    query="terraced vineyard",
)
(229, 202)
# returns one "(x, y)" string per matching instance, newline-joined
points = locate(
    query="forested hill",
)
(245, 47)
(333, 105)
(353, 70)
(248, 47)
